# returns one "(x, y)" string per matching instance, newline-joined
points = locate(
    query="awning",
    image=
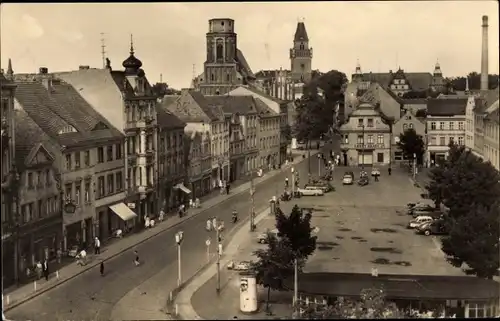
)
(123, 211)
(183, 188)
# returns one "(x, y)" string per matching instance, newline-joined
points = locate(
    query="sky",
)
(169, 38)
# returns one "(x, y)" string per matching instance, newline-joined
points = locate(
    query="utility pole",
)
(103, 50)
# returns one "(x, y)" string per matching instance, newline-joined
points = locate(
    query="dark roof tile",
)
(168, 120)
(446, 107)
(233, 104)
(301, 33)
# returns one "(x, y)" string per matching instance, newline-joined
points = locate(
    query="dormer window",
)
(67, 129)
(140, 85)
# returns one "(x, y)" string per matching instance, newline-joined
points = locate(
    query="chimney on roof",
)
(83, 67)
(45, 77)
(484, 55)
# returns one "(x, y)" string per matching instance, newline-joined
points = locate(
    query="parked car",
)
(310, 191)
(434, 227)
(325, 187)
(349, 173)
(262, 238)
(421, 208)
(375, 172)
(347, 179)
(241, 266)
(419, 220)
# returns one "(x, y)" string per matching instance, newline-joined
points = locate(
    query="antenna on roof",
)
(103, 50)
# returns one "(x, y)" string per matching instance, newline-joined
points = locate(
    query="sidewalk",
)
(198, 301)
(16, 296)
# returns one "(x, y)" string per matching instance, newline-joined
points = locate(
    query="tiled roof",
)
(100, 88)
(414, 101)
(244, 66)
(417, 80)
(233, 104)
(263, 94)
(446, 107)
(401, 286)
(301, 33)
(263, 109)
(168, 120)
(190, 106)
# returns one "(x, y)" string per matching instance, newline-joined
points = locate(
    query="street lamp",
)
(319, 165)
(179, 236)
(217, 227)
(252, 199)
(293, 181)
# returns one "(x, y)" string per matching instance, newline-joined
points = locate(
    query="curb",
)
(90, 266)
(259, 217)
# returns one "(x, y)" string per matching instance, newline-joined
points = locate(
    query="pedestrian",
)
(214, 222)
(227, 188)
(286, 182)
(46, 269)
(136, 260)
(180, 211)
(389, 170)
(101, 268)
(39, 269)
(97, 245)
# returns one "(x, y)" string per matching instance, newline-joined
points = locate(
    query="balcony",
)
(369, 146)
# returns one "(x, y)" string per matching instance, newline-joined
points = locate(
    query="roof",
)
(234, 104)
(263, 109)
(271, 73)
(446, 107)
(101, 90)
(414, 101)
(401, 286)
(168, 120)
(263, 94)
(190, 106)
(417, 80)
(244, 66)
(301, 33)
(27, 135)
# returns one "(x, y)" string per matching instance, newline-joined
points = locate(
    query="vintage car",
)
(311, 191)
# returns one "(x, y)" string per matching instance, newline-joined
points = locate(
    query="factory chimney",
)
(484, 55)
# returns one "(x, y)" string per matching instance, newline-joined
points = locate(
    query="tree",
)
(459, 83)
(296, 228)
(274, 264)
(311, 118)
(160, 89)
(412, 144)
(421, 113)
(372, 304)
(473, 239)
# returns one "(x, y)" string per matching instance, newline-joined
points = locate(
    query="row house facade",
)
(125, 99)
(408, 121)
(366, 137)
(445, 123)
(269, 136)
(57, 162)
(9, 180)
(198, 160)
(282, 108)
(200, 116)
(172, 167)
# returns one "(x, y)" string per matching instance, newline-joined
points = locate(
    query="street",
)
(92, 297)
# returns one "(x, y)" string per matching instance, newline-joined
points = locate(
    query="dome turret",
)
(132, 64)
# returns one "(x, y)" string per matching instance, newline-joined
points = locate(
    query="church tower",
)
(301, 55)
(221, 66)
(437, 83)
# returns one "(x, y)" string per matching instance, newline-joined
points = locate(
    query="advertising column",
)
(248, 293)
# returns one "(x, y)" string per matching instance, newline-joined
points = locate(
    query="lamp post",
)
(179, 236)
(252, 200)
(319, 165)
(219, 253)
(293, 181)
(363, 147)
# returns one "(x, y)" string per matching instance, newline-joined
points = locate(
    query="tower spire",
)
(131, 44)
(10, 71)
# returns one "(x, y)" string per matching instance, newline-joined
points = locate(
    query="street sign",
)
(207, 242)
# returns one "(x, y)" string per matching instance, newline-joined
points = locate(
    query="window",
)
(452, 125)
(77, 160)
(433, 140)
(100, 186)
(460, 140)
(28, 214)
(441, 125)
(380, 139)
(461, 125)
(433, 125)
(48, 178)
(119, 181)
(68, 162)
(481, 309)
(360, 122)
(109, 153)
(68, 189)
(380, 157)
(370, 139)
(442, 140)
(78, 190)
(118, 151)
(111, 184)
(370, 122)
(39, 209)
(100, 155)
(405, 127)
(219, 50)
(39, 179)
(411, 126)
(360, 139)
(48, 208)
(86, 158)
(31, 183)
(87, 192)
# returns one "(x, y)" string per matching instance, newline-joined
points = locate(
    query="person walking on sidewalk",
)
(97, 245)
(46, 269)
(209, 225)
(101, 268)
